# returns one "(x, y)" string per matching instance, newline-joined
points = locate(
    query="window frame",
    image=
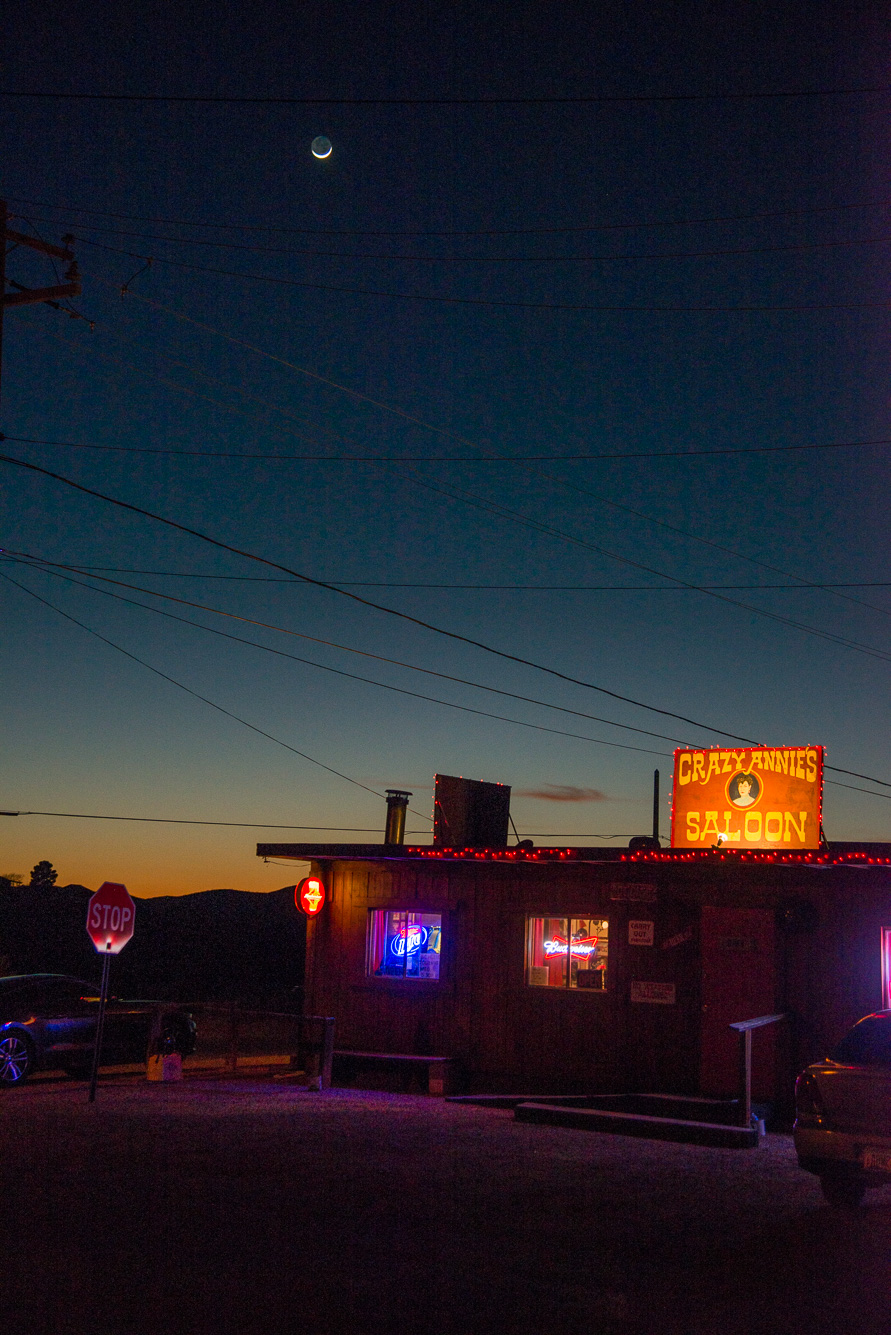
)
(407, 982)
(568, 920)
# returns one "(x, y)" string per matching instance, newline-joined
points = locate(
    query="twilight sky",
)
(691, 287)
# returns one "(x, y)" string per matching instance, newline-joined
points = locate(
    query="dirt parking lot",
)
(248, 1206)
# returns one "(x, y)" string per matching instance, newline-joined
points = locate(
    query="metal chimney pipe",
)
(656, 805)
(397, 802)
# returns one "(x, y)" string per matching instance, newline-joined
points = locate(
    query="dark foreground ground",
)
(248, 1207)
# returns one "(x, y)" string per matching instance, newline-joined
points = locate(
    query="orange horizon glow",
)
(150, 863)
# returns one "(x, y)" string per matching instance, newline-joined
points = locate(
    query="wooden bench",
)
(438, 1069)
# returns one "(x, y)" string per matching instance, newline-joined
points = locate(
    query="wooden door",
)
(659, 987)
(738, 983)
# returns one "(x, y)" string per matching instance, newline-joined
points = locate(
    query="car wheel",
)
(16, 1058)
(843, 1190)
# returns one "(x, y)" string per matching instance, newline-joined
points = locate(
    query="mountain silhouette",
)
(217, 945)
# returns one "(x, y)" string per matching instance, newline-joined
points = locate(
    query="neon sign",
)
(409, 940)
(584, 947)
(758, 797)
(309, 896)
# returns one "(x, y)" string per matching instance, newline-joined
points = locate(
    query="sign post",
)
(111, 919)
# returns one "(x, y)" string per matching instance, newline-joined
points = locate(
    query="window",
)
(403, 944)
(868, 1044)
(567, 952)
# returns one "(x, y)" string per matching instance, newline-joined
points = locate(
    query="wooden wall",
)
(821, 964)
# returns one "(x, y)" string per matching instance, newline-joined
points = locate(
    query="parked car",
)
(843, 1113)
(48, 1020)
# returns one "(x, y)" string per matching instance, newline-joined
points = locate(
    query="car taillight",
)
(808, 1102)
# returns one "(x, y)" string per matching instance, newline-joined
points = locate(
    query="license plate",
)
(878, 1160)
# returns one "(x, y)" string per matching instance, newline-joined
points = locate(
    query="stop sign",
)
(111, 918)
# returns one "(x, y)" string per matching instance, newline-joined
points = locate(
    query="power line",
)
(604, 500)
(302, 370)
(720, 253)
(380, 658)
(329, 586)
(833, 638)
(719, 451)
(851, 787)
(415, 584)
(601, 99)
(239, 824)
(158, 673)
(708, 542)
(36, 563)
(526, 522)
(638, 225)
(602, 308)
(581, 490)
(156, 379)
(366, 602)
(836, 783)
(263, 825)
(258, 825)
(465, 498)
(293, 366)
(390, 611)
(398, 412)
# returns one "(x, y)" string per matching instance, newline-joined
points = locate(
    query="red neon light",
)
(309, 896)
(722, 854)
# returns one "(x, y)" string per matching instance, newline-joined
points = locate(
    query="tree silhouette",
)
(43, 876)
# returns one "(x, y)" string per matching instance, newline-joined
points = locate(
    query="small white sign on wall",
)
(633, 892)
(662, 994)
(640, 933)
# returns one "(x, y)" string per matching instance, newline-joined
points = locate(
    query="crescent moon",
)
(321, 147)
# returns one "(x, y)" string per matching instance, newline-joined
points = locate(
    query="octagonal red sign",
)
(111, 917)
(309, 896)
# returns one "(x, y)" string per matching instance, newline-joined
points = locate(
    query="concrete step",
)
(715, 1134)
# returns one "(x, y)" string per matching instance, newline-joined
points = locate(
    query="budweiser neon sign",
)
(309, 896)
(584, 947)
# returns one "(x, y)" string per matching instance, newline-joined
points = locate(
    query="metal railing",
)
(231, 1037)
(744, 1029)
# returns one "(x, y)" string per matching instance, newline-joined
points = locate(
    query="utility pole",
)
(27, 296)
(2, 275)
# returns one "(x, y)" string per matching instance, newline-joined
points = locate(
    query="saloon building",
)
(602, 970)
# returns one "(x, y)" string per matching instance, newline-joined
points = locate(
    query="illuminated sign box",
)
(759, 797)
